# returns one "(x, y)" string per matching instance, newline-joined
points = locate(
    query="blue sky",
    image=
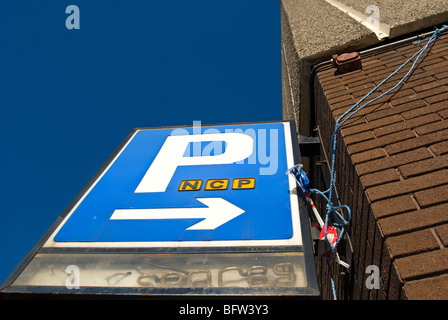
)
(68, 98)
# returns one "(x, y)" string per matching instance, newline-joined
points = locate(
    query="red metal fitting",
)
(347, 62)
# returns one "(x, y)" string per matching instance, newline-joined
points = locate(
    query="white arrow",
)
(218, 212)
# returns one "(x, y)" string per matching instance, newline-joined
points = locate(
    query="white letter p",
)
(171, 155)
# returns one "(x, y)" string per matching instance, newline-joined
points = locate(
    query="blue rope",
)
(332, 210)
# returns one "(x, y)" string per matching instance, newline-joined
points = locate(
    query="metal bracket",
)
(309, 146)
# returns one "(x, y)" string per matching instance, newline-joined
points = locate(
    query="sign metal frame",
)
(306, 246)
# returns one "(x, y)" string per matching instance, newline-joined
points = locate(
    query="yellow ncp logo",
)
(217, 184)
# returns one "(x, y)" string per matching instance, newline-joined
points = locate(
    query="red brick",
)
(439, 47)
(365, 101)
(386, 54)
(437, 98)
(434, 288)
(397, 93)
(395, 137)
(364, 111)
(432, 127)
(443, 74)
(349, 75)
(334, 100)
(426, 140)
(336, 91)
(361, 92)
(356, 82)
(355, 77)
(384, 73)
(425, 109)
(371, 62)
(360, 86)
(417, 74)
(371, 125)
(327, 77)
(443, 113)
(428, 95)
(352, 121)
(431, 93)
(438, 65)
(359, 137)
(408, 124)
(342, 104)
(381, 142)
(422, 79)
(393, 206)
(368, 155)
(442, 233)
(440, 148)
(431, 85)
(414, 220)
(406, 186)
(423, 265)
(396, 110)
(432, 196)
(394, 89)
(393, 161)
(397, 59)
(325, 74)
(424, 166)
(412, 243)
(379, 77)
(381, 177)
(429, 63)
(332, 84)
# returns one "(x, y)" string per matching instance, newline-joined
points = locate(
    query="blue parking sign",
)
(199, 186)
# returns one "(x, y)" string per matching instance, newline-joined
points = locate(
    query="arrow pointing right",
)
(217, 213)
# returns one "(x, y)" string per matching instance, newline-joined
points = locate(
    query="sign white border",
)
(295, 240)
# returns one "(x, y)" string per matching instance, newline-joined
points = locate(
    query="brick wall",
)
(392, 170)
